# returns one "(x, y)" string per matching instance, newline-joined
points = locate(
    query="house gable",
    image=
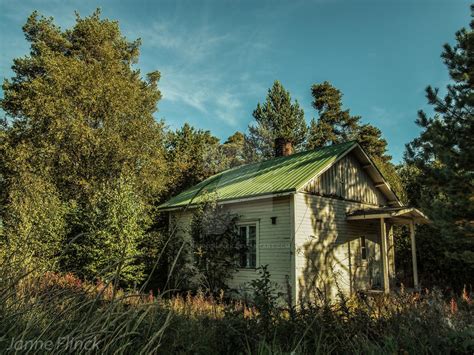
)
(347, 179)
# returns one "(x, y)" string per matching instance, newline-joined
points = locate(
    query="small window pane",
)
(243, 260)
(363, 248)
(248, 256)
(252, 232)
(253, 260)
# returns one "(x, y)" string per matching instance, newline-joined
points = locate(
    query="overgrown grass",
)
(50, 307)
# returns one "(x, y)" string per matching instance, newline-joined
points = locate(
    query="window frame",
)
(248, 223)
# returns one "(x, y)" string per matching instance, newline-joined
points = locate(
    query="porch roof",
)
(396, 215)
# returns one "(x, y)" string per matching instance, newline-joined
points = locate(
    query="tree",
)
(193, 155)
(277, 117)
(234, 149)
(86, 115)
(335, 125)
(370, 138)
(110, 246)
(34, 223)
(443, 158)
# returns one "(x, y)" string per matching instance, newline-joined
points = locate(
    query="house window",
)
(248, 237)
(363, 248)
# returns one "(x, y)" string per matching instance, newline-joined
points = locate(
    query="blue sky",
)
(218, 58)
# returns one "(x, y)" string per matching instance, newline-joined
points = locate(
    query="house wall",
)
(347, 180)
(328, 250)
(274, 240)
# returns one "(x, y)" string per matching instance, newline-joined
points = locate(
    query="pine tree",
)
(277, 117)
(233, 149)
(443, 156)
(335, 125)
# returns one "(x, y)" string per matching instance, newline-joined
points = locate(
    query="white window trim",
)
(256, 223)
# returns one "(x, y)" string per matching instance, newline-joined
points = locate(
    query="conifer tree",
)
(335, 125)
(440, 162)
(233, 149)
(277, 117)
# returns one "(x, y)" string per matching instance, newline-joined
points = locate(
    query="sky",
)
(218, 58)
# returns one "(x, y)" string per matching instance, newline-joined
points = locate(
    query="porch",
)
(389, 216)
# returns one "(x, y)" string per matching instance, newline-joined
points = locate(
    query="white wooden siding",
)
(328, 256)
(347, 180)
(273, 241)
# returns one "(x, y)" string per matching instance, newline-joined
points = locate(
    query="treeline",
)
(84, 163)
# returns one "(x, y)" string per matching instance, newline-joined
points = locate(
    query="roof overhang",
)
(230, 201)
(396, 215)
(379, 181)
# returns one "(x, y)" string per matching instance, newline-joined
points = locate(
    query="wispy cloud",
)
(191, 45)
(385, 118)
(194, 65)
(228, 105)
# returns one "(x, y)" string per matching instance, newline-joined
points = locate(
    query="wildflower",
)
(454, 306)
(465, 295)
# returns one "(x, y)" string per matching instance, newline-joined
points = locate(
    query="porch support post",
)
(413, 255)
(385, 266)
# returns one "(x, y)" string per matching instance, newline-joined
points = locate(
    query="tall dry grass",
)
(50, 306)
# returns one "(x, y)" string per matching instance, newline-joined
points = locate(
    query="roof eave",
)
(375, 174)
(402, 215)
(230, 201)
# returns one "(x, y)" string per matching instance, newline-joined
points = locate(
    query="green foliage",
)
(80, 118)
(444, 152)
(177, 265)
(334, 124)
(440, 164)
(192, 155)
(217, 246)
(114, 229)
(391, 173)
(277, 117)
(206, 255)
(265, 296)
(87, 113)
(34, 223)
(234, 149)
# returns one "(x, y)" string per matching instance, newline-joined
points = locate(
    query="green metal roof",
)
(274, 176)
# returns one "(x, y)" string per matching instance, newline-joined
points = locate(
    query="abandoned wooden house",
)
(321, 219)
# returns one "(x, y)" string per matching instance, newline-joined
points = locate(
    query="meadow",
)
(68, 314)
